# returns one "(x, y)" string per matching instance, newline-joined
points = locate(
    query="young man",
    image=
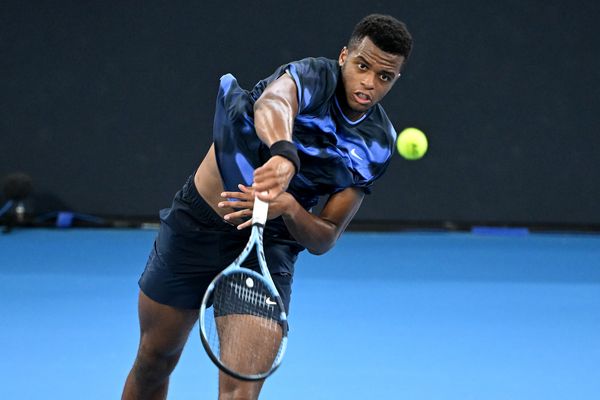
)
(313, 128)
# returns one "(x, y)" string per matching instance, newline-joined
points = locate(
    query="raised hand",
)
(273, 178)
(244, 205)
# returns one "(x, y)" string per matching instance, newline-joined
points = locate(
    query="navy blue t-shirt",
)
(335, 153)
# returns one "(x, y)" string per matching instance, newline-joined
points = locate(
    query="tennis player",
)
(313, 128)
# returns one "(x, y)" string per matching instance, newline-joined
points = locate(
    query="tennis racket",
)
(243, 323)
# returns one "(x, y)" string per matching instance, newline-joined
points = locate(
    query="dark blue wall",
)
(109, 106)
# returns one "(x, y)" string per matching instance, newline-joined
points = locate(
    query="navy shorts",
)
(194, 244)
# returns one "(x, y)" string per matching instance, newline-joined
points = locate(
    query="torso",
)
(209, 183)
(335, 152)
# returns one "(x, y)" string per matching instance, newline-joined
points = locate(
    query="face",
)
(368, 73)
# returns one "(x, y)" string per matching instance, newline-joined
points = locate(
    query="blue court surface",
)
(382, 316)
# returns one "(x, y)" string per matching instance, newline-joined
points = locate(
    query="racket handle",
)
(259, 214)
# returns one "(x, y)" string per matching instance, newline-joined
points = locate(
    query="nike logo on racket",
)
(270, 302)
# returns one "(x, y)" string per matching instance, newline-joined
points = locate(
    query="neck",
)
(340, 95)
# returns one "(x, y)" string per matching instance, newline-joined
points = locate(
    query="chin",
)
(361, 109)
(355, 109)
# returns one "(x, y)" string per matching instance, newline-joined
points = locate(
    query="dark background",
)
(108, 105)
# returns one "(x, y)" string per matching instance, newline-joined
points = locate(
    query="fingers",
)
(243, 204)
(269, 196)
(263, 183)
(240, 218)
(238, 215)
(245, 198)
(245, 194)
(246, 189)
(244, 225)
(236, 204)
(273, 177)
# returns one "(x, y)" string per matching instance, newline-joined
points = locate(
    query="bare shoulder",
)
(282, 87)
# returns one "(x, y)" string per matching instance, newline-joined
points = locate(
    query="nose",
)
(367, 80)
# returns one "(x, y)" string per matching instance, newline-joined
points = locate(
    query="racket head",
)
(243, 324)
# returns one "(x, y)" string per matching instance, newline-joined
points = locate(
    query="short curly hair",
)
(386, 32)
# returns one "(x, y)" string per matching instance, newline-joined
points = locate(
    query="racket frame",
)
(259, 218)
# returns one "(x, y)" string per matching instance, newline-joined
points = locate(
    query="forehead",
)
(368, 51)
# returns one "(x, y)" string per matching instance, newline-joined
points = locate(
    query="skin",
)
(368, 73)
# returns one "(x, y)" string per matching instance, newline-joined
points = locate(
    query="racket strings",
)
(245, 329)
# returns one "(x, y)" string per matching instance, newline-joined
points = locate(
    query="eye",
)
(385, 78)
(362, 67)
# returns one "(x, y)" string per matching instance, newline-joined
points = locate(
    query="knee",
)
(239, 395)
(153, 365)
(232, 389)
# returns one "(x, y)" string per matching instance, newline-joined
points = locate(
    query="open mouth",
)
(362, 98)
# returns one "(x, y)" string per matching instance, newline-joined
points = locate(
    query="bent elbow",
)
(316, 252)
(326, 243)
(321, 249)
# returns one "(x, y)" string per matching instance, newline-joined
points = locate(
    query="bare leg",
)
(164, 332)
(249, 344)
(234, 389)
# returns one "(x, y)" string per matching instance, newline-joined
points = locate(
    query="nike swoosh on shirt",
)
(355, 154)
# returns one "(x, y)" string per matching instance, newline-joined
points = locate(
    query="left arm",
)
(317, 233)
(320, 233)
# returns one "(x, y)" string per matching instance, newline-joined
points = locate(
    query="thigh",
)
(164, 329)
(177, 286)
(193, 245)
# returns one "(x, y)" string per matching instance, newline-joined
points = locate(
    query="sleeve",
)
(367, 186)
(316, 80)
(378, 150)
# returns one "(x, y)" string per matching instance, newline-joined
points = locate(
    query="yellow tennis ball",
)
(412, 144)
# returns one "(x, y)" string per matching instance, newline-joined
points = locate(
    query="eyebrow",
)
(383, 71)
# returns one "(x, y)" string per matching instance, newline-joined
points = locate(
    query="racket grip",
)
(260, 211)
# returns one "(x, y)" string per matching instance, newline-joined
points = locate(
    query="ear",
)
(343, 56)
